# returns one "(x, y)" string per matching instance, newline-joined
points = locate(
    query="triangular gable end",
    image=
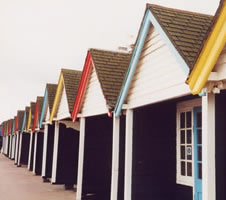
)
(93, 102)
(43, 109)
(63, 110)
(82, 86)
(148, 20)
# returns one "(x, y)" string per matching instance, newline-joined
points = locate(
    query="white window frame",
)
(185, 106)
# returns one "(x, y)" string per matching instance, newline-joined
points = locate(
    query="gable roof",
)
(37, 113)
(20, 114)
(48, 99)
(71, 82)
(51, 88)
(30, 116)
(25, 118)
(184, 32)
(210, 52)
(110, 67)
(69, 79)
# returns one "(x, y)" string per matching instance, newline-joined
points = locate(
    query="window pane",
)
(183, 168)
(189, 152)
(189, 169)
(182, 137)
(182, 152)
(199, 136)
(199, 170)
(188, 119)
(199, 153)
(189, 140)
(199, 119)
(182, 120)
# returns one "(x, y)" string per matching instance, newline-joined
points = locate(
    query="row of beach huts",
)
(148, 124)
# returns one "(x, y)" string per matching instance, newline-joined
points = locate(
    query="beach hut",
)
(1, 140)
(11, 148)
(100, 84)
(175, 141)
(29, 119)
(66, 135)
(14, 139)
(49, 96)
(9, 137)
(39, 136)
(23, 141)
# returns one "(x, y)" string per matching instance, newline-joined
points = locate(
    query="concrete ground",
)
(21, 184)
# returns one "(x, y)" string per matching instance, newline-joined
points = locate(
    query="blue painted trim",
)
(24, 121)
(43, 108)
(181, 61)
(0, 133)
(148, 20)
(13, 129)
(197, 181)
(134, 60)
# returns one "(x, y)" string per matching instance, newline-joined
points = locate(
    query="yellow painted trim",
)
(209, 54)
(57, 98)
(29, 121)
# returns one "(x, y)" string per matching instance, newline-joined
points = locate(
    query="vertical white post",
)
(35, 151)
(128, 155)
(10, 146)
(17, 146)
(7, 144)
(115, 158)
(30, 151)
(55, 152)
(208, 152)
(44, 150)
(81, 158)
(13, 146)
(20, 148)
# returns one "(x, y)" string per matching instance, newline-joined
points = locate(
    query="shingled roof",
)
(71, 82)
(40, 103)
(111, 68)
(20, 114)
(27, 109)
(51, 88)
(186, 30)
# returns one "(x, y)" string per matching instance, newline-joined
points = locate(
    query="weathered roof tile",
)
(71, 81)
(186, 30)
(111, 68)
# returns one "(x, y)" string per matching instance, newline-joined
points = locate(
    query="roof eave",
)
(209, 54)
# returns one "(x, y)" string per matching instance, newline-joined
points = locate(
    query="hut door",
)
(198, 153)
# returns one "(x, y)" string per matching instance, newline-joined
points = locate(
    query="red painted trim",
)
(3, 129)
(9, 127)
(82, 86)
(16, 125)
(35, 117)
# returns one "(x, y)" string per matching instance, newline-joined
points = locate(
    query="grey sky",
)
(39, 37)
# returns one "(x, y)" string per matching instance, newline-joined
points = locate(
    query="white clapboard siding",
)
(220, 66)
(47, 113)
(93, 102)
(158, 74)
(63, 110)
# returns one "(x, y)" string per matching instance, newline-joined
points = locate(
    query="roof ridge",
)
(148, 5)
(110, 51)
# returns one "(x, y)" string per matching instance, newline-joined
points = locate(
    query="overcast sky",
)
(39, 37)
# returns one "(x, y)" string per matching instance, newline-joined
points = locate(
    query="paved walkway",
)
(21, 184)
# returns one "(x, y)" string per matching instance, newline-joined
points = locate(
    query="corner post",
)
(208, 154)
(128, 155)
(81, 158)
(55, 152)
(115, 158)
